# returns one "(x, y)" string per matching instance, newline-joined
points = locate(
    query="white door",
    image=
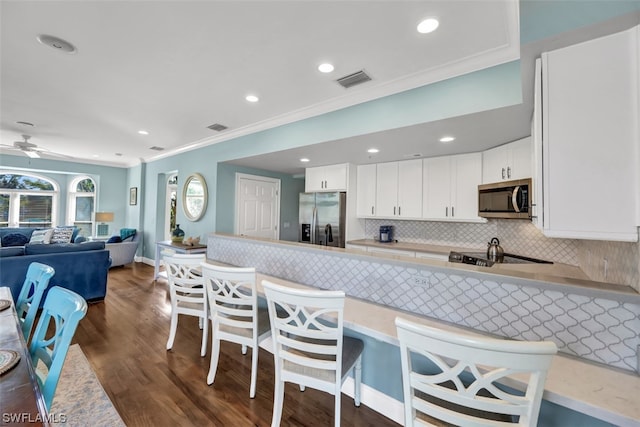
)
(257, 206)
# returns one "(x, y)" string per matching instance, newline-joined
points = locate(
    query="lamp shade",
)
(104, 216)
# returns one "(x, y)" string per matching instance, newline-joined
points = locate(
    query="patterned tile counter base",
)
(588, 326)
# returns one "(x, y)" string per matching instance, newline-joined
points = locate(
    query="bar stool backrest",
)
(309, 346)
(28, 302)
(62, 311)
(461, 389)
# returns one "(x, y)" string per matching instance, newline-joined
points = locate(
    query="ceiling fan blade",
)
(53, 154)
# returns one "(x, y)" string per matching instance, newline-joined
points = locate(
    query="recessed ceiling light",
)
(373, 150)
(56, 43)
(304, 160)
(325, 68)
(252, 98)
(143, 132)
(447, 139)
(428, 25)
(95, 155)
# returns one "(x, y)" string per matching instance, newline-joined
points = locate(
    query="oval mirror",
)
(194, 197)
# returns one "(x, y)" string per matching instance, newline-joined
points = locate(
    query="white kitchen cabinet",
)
(507, 162)
(450, 187)
(590, 139)
(326, 178)
(366, 191)
(399, 189)
(357, 248)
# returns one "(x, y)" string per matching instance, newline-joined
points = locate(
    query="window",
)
(27, 200)
(82, 198)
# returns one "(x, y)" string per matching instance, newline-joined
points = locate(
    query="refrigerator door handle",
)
(314, 220)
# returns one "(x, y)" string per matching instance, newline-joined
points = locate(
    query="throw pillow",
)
(114, 239)
(42, 236)
(126, 233)
(14, 239)
(62, 235)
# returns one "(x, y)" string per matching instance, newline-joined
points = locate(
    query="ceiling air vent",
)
(217, 127)
(156, 148)
(353, 79)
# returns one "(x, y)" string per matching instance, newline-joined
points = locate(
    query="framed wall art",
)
(133, 196)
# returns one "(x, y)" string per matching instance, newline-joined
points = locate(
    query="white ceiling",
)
(175, 67)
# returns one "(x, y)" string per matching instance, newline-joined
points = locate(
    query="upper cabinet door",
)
(399, 189)
(314, 179)
(366, 191)
(387, 189)
(410, 189)
(336, 177)
(326, 178)
(494, 165)
(507, 162)
(468, 175)
(450, 189)
(436, 187)
(590, 139)
(520, 159)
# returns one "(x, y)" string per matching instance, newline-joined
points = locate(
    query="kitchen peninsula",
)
(594, 324)
(553, 273)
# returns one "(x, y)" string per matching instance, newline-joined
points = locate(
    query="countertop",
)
(562, 274)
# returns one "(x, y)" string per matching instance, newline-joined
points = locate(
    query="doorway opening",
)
(170, 205)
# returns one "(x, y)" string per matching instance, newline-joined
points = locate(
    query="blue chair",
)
(35, 283)
(63, 309)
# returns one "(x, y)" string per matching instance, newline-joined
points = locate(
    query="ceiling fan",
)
(30, 149)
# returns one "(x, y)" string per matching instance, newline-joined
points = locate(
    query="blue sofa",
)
(80, 267)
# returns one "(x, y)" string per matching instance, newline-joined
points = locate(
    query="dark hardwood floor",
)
(124, 339)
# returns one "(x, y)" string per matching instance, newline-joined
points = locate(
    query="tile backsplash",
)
(593, 327)
(603, 261)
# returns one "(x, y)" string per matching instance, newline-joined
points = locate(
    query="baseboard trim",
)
(374, 399)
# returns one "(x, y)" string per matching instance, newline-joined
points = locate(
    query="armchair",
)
(123, 252)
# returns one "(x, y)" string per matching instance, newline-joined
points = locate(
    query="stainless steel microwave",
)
(507, 199)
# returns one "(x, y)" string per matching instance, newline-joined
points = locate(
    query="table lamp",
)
(102, 217)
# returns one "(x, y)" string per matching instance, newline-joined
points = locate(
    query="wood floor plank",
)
(124, 339)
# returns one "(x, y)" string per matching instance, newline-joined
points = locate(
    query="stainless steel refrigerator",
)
(322, 218)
